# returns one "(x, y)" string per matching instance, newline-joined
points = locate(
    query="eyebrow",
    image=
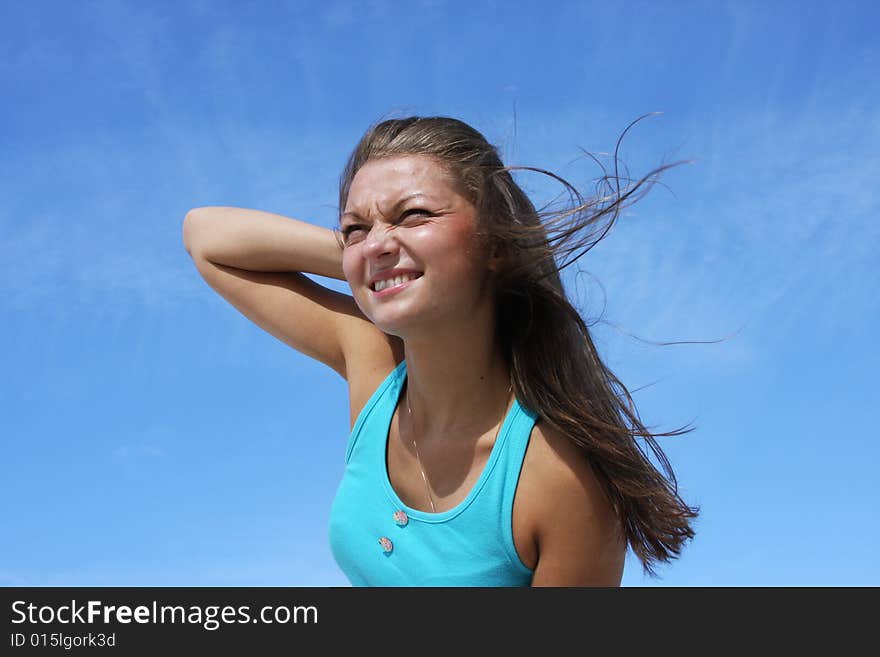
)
(393, 208)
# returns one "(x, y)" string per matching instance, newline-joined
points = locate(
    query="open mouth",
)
(397, 283)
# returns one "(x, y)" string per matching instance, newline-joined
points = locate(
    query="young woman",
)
(490, 446)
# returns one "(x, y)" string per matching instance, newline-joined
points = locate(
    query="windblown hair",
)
(547, 345)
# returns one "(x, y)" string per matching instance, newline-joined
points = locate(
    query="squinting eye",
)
(349, 229)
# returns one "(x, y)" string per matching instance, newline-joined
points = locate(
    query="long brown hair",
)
(556, 369)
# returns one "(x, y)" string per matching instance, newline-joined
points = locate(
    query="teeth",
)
(397, 280)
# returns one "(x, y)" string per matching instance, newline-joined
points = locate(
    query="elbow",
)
(190, 220)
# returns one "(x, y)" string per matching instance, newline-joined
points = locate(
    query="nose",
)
(380, 241)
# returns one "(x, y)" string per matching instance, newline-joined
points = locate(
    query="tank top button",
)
(386, 544)
(400, 518)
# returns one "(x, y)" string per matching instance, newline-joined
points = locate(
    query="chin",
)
(391, 327)
(397, 325)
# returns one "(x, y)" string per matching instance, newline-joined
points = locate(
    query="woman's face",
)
(404, 212)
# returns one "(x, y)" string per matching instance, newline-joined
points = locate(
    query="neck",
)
(458, 384)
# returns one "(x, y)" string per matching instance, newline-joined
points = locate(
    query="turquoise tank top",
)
(377, 540)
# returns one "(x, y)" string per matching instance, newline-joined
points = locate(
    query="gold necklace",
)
(421, 469)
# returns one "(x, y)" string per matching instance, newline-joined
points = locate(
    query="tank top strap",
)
(491, 512)
(381, 403)
(515, 450)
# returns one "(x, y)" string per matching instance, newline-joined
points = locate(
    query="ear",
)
(497, 256)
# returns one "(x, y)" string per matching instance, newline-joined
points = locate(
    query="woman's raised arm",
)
(254, 260)
(261, 241)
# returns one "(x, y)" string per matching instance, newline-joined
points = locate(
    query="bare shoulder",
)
(370, 356)
(576, 532)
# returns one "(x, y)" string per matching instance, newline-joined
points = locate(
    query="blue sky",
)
(151, 435)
